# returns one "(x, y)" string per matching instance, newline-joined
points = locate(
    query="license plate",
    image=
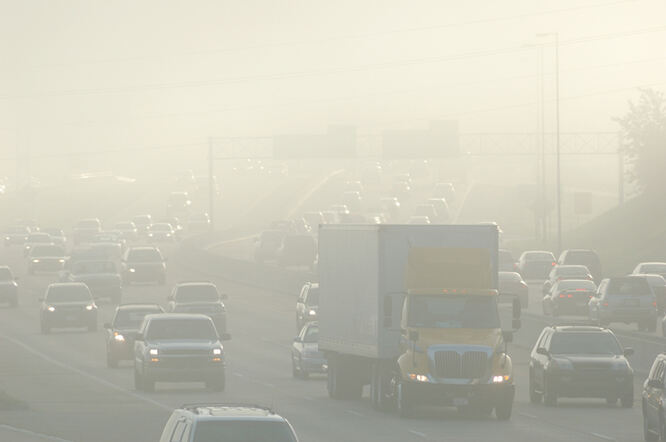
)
(460, 401)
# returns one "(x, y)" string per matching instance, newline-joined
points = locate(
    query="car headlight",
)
(7, 238)
(217, 351)
(89, 307)
(61, 261)
(312, 313)
(118, 337)
(35, 261)
(50, 308)
(499, 379)
(154, 352)
(418, 377)
(131, 270)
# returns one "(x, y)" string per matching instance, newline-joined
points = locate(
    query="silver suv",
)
(212, 423)
(178, 347)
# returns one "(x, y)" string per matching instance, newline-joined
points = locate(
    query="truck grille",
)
(454, 365)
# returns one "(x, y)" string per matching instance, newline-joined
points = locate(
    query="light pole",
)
(558, 186)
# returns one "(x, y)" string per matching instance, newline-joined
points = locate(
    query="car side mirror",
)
(655, 383)
(297, 339)
(224, 296)
(107, 325)
(413, 335)
(546, 287)
(542, 351)
(225, 336)
(507, 335)
(517, 308)
(139, 338)
(628, 351)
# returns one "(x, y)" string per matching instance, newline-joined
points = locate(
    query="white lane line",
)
(531, 416)
(418, 433)
(355, 413)
(32, 433)
(85, 374)
(229, 241)
(602, 436)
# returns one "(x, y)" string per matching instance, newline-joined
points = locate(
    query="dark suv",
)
(232, 422)
(652, 399)
(68, 305)
(178, 347)
(121, 332)
(580, 361)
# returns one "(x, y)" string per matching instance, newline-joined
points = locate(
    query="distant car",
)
(198, 223)
(226, 422)
(314, 220)
(506, 261)
(305, 355)
(297, 250)
(16, 235)
(122, 330)
(199, 297)
(536, 264)
(161, 232)
(178, 347)
(443, 211)
(57, 236)
(391, 206)
(178, 227)
(268, 244)
(427, 210)
(627, 299)
(127, 230)
(68, 305)
(179, 203)
(340, 209)
(580, 361)
(8, 287)
(353, 200)
(46, 258)
(563, 272)
(307, 304)
(33, 239)
(446, 191)
(101, 277)
(656, 268)
(401, 189)
(588, 258)
(109, 237)
(86, 229)
(653, 398)
(511, 285)
(658, 285)
(330, 217)
(419, 220)
(569, 297)
(142, 224)
(143, 264)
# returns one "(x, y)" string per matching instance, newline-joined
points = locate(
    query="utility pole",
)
(211, 184)
(542, 111)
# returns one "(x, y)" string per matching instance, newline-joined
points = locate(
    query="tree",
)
(643, 131)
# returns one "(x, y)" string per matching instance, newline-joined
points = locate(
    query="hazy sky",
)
(89, 74)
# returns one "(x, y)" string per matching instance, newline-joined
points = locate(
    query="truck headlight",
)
(499, 379)
(90, 307)
(50, 308)
(217, 351)
(312, 313)
(418, 377)
(35, 261)
(131, 270)
(118, 337)
(154, 352)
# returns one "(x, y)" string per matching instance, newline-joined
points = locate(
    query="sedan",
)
(68, 305)
(305, 355)
(123, 329)
(569, 297)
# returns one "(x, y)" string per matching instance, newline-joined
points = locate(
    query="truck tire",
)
(332, 384)
(403, 401)
(504, 405)
(379, 388)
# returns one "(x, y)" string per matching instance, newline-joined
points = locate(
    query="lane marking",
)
(355, 413)
(32, 433)
(85, 374)
(602, 436)
(531, 416)
(418, 433)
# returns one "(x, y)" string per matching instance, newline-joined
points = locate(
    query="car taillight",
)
(522, 283)
(553, 263)
(569, 295)
(654, 304)
(605, 304)
(562, 296)
(581, 290)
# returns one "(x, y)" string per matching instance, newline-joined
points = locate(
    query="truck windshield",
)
(453, 312)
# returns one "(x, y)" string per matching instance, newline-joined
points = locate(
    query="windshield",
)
(132, 319)
(584, 344)
(628, 286)
(47, 251)
(539, 256)
(573, 284)
(94, 267)
(181, 329)
(243, 431)
(88, 224)
(5, 274)
(453, 312)
(40, 237)
(144, 255)
(205, 309)
(654, 268)
(197, 293)
(311, 334)
(571, 271)
(313, 297)
(68, 293)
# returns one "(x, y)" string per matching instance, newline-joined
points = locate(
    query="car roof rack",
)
(196, 405)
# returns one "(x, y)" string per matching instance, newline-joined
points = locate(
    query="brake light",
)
(569, 295)
(581, 290)
(561, 296)
(605, 304)
(654, 304)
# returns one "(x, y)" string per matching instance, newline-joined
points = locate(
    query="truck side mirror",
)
(542, 351)
(517, 308)
(413, 335)
(507, 335)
